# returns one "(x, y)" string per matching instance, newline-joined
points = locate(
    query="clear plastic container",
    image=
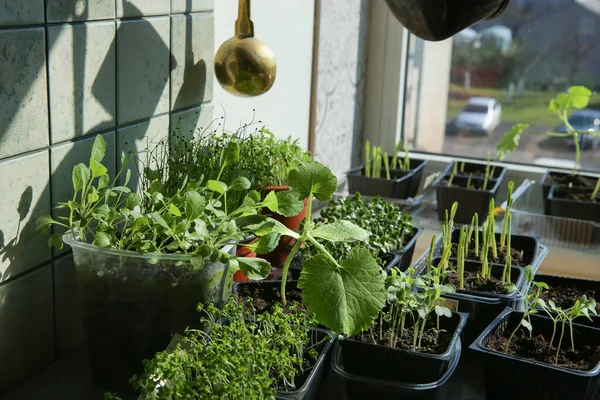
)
(134, 303)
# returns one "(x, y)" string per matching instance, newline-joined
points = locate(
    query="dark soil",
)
(432, 342)
(517, 256)
(570, 180)
(583, 196)
(475, 283)
(584, 358)
(476, 184)
(265, 296)
(566, 296)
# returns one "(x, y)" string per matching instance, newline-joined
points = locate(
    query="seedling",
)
(596, 190)
(373, 164)
(577, 97)
(488, 174)
(461, 254)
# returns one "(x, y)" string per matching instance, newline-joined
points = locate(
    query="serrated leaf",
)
(271, 225)
(314, 178)
(265, 244)
(340, 231)
(240, 183)
(510, 141)
(98, 149)
(580, 96)
(80, 177)
(102, 239)
(254, 268)
(194, 204)
(97, 169)
(526, 324)
(288, 203)
(344, 298)
(270, 201)
(216, 186)
(174, 210)
(251, 198)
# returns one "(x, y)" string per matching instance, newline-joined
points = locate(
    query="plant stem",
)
(286, 266)
(367, 161)
(386, 163)
(596, 190)
(562, 333)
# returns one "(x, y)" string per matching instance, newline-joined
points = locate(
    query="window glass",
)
(529, 54)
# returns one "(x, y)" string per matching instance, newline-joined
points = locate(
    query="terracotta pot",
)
(278, 256)
(242, 251)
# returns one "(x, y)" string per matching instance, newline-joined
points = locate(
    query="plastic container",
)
(471, 201)
(381, 362)
(402, 185)
(133, 304)
(511, 377)
(407, 252)
(567, 208)
(310, 387)
(358, 387)
(546, 186)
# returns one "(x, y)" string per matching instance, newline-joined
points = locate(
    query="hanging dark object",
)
(439, 19)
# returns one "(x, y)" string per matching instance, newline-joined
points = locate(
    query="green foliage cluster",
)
(390, 227)
(533, 301)
(374, 162)
(234, 357)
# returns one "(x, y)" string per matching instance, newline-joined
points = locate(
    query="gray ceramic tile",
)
(179, 6)
(82, 79)
(142, 68)
(19, 12)
(65, 156)
(141, 8)
(193, 48)
(23, 98)
(79, 10)
(139, 137)
(194, 121)
(68, 308)
(25, 196)
(27, 334)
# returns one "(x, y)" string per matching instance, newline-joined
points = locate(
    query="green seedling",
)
(461, 254)
(386, 164)
(596, 190)
(367, 158)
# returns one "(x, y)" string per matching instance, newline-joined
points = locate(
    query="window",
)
(520, 60)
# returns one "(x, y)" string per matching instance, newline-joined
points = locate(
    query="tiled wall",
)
(71, 69)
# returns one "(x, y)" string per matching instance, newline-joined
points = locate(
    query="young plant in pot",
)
(386, 176)
(264, 160)
(473, 190)
(572, 197)
(392, 232)
(412, 343)
(144, 261)
(529, 352)
(275, 355)
(325, 282)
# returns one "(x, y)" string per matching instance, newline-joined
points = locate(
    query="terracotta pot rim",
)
(277, 188)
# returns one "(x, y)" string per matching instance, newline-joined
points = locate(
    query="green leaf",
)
(288, 203)
(197, 262)
(173, 210)
(270, 201)
(216, 186)
(103, 181)
(443, 311)
(231, 153)
(271, 225)
(97, 169)
(43, 223)
(253, 219)
(314, 178)
(101, 211)
(55, 240)
(254, 268)
(121, 189)
(194, 204)
(160, 220)
(526, 324)
(265, 244)
(98, 149)
(93, 196)
(102, 239)
(200, 228)
(80, 177)
(344, 298)
(510, 141)
(340, 231)
(580, 96)
(240, 183)
(252, 198)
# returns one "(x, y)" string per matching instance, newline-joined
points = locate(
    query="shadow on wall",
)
(13, 246)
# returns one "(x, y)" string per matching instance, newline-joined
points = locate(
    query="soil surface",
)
(433, 342)
(475, 283)
(584, 358)
(517, 257)
(566, 296)
(570, 180)
(476, 184)
(265, 296)
(583, 196)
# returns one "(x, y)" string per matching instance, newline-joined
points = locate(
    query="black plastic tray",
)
(567, 208)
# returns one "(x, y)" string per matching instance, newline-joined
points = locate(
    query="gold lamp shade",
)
(244, 65)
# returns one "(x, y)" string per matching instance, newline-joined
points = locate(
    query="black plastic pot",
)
(406, 253)
(511, 377)
(470, 201)
(360, 387)
(483, 307)
(404, 184)
(529, 245)
(381, 362)
(311, 386)
(546, 186)
(567, 208)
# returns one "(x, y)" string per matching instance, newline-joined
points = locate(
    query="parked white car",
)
(481, 115)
